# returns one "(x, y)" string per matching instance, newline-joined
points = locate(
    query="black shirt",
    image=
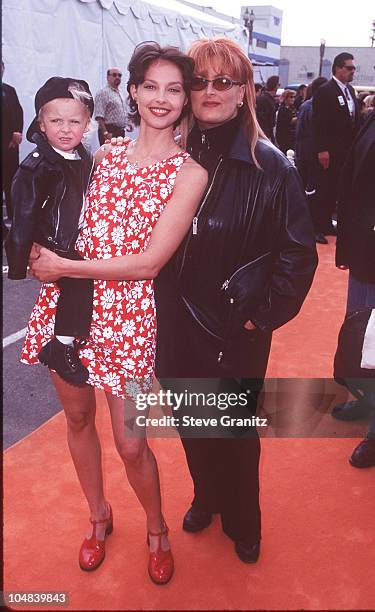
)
(206, 146)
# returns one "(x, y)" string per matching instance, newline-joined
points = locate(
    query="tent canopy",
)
(82, 38)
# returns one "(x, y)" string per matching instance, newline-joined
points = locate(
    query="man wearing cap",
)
(48, 196)
(335, 122)
(110, 107)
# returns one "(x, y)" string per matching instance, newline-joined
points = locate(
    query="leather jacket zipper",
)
(200, 322)
(74, 237)
(58, 213)
(195, 220)
(224, 287)
(226, 282)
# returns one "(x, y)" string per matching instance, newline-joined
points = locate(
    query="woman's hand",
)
(117, 141)
(34, 253)
(45, 265)
(107, 147)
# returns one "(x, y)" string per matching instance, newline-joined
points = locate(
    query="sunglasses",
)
(350, 67)
(115, 74)
(220, 83)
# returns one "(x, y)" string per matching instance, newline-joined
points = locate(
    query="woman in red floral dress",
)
(138, 213)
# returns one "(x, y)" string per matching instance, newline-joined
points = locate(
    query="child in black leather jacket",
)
(48, 192)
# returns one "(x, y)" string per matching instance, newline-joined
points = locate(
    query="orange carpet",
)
(318, 512)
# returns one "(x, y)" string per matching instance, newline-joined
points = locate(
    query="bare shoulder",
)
(192, 171)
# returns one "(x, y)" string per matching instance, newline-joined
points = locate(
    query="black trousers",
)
(224, 469)
(74, 306)
(311, 174)
(112, 129)
(328, 184)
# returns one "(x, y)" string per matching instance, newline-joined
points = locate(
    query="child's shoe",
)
(63, 358)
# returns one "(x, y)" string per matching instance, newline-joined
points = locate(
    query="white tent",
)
(82, 38)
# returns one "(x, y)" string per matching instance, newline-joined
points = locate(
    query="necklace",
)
(135, 164)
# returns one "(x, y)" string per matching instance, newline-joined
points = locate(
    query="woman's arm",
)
(167, 235)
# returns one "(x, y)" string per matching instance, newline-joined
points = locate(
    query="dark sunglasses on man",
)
(219, 83)
(350, 67)
(116, 74)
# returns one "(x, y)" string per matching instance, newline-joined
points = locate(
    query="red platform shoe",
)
(92, 552)
(160, 565)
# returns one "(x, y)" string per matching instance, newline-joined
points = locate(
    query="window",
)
(261, 43)
(276, 21)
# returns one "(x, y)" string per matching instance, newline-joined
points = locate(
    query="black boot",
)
(63, 358)
(351, 411)
(247, 553)
(196, 520)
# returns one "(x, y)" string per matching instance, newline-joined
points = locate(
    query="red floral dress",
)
(124, 204)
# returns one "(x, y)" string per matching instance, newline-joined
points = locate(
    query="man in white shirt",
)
(110, 107)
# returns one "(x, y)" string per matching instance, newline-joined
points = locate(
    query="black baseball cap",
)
(56, 87)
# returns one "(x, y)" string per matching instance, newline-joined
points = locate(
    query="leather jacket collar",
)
(227, 140)
(240, 147)
(50, 154)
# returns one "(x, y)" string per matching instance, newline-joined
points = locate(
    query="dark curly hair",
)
(143, 56)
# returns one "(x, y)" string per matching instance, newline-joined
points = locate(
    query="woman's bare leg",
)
(140, 463)
(83, 441)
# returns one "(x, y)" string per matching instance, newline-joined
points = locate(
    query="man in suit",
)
(12, 125)
(335, 123)
(266, 107)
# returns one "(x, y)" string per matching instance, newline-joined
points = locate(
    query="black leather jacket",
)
(355, 246)
(251, 251)
(37, 191)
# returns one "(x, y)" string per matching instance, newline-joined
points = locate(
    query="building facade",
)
(262, 39)
(301, 64)
(266, 35)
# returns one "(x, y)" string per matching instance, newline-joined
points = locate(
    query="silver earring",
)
(240, 104)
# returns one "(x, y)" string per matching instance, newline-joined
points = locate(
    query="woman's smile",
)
(159, 112)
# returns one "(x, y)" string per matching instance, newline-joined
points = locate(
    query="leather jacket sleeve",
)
(296, 258)
(27, 199)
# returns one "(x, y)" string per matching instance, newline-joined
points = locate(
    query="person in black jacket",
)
(300, 96)
(286, 122)
(307, 161)
(335, 120)
(266, 107)
(244, 270)
(11, 138)
(355, 250)
(48, 193)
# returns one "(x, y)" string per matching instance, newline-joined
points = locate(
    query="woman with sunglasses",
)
(138, 213)
(243, 270)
